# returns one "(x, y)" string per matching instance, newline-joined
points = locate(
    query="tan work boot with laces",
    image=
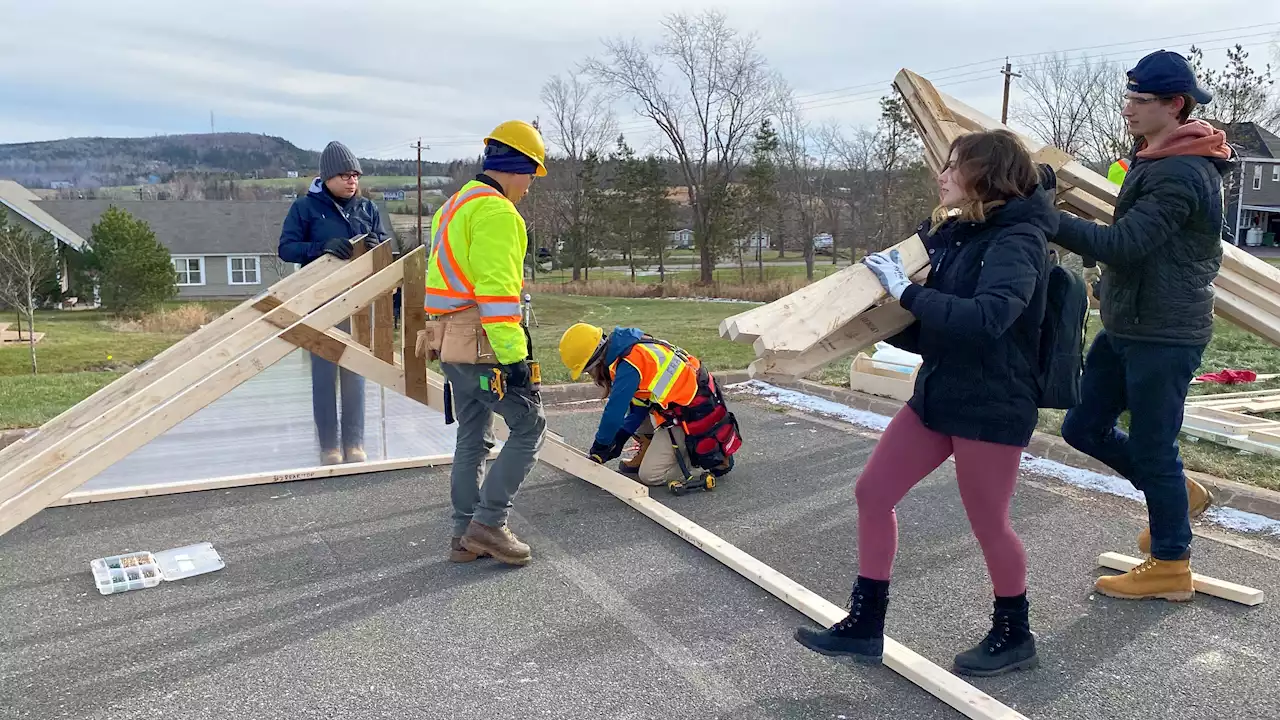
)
(498, 542)
(1152, 580)
(1198, 500)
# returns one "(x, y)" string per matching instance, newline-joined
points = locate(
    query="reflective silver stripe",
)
(444, 213)
(668, 376)
(499, 309)
(443, 302)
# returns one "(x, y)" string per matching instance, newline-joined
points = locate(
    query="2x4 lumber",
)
(1246, 314)
(799, 327)
(1251, 443)
(384, 331)
(413, 320)
(1207, 585)
(162, 364)
(362, 322)
(1249, 291)
(879, 323)
(73, 474)
(265, 478)
(152, 390)
(1251, 268)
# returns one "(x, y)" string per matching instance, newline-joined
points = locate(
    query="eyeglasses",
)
(1139, 100)
(349, 176)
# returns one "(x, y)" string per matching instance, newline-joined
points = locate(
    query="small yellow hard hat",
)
(578, 345)
(524, 137)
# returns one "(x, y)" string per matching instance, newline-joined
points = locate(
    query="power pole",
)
(419, 148)
(1009, 75)
(533, 234)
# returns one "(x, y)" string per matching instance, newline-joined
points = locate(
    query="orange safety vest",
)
(667, 377)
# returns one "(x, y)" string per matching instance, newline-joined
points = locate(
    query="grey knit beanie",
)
(337, 159)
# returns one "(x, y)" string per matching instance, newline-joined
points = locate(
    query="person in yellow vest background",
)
(1118, 170)
(474, 276)
(658, 394)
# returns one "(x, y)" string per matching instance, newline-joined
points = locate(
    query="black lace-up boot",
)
(1009, 645)
(860, 634)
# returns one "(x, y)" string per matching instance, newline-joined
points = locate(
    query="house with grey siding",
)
(221, 249)
(1253, 192)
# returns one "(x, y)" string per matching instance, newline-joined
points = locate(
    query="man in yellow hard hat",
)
(474, 276)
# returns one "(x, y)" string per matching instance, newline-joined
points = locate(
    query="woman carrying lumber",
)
(662, 396)
(978, 319)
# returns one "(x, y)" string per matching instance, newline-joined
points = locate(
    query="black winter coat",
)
(1163, 252)
(978, 320)
(317, 217)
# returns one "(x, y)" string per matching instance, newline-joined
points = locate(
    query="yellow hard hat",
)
(578, 345)
(524, 137)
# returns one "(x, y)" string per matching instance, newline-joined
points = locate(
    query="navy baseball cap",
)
(1167, 73)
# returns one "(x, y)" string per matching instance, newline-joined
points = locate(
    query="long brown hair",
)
(994, 167)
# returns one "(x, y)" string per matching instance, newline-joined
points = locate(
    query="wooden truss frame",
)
(848, 311)
(46, 467)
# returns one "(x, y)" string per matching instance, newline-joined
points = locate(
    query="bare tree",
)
(28, 264)
(707, 88)
(803, 174)
(581, 127)
(854, 155)
(1072, 103)
(1240, 93)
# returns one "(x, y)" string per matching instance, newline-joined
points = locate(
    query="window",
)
(243, 270)
(1257, 177)
(1275, 173)
(190, 270)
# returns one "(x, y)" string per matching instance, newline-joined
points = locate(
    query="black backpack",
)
(1062, 339)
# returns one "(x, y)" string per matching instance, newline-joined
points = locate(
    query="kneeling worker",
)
(659, 394)
(474, 276)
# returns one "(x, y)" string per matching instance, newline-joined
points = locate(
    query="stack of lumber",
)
(1224, 419)
(849, 311)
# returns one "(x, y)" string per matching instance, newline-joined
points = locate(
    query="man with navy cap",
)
(1160, 258)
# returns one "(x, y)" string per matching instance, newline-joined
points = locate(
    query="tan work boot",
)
(1152, 580)
(459, 554)
(499, 542)
(1198, 500)
(356, 455)
(632, 466)
(331, 457)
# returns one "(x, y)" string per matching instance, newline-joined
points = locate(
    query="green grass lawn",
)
(677, 273)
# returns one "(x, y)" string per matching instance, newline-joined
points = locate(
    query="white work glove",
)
(887, 266)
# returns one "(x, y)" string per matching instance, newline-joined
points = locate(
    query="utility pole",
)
(419, 148)
(533, 234)
(1009, 75)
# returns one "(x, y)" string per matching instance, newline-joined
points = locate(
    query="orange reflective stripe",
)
(1124, 164)
(450, 293)
(500, 319)
(447, 256)
(498, 298)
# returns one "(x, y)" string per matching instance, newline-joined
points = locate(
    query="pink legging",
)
(986, 473)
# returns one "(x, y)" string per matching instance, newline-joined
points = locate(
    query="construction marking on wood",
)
(1207, 585)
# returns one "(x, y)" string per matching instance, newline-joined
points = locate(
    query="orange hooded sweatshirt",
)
(1196, 137)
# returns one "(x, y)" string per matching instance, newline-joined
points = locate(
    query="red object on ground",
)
(1230, 377)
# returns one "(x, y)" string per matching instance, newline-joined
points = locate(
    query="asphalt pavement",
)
(337, 602)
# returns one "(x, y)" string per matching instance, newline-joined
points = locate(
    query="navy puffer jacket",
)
(318, 217)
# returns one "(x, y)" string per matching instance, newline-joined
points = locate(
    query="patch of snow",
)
(803, 401)
(1229, 518)
(709, 299)
(1242, 521)
(1080, 477)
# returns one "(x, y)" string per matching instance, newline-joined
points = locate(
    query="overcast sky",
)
(379, 74)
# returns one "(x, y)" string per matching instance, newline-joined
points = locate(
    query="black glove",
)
(619, 442)
(371, 242)
(517, 374)
(338, 247)
(602, 453)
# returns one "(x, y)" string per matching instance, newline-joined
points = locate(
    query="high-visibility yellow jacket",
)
(1117, 171)
(478, 243)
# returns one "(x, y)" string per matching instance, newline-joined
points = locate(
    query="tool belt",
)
(711, 432)
(458, 338)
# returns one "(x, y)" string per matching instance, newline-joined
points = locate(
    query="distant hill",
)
(97, 162)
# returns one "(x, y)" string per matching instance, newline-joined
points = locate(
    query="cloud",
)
(380, 74)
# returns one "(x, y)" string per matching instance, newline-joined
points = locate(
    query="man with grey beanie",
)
(324, 221)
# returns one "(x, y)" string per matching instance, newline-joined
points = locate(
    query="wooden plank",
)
(38, 460)
(1251, 268)
(1246, 314)
(1207, 585)
(1191, 427)
(1246, 394)
(780, 316)
(362, 322)
(1229, 418)
(384, 331)
(232, 481)
(798, 328)
(71, 475)
(166, 362)
(1249, 291)
(413, 320)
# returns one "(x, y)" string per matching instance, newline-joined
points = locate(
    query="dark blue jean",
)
(1149, 380)
(324, 402)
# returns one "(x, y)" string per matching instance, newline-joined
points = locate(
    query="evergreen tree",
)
(135, 272)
